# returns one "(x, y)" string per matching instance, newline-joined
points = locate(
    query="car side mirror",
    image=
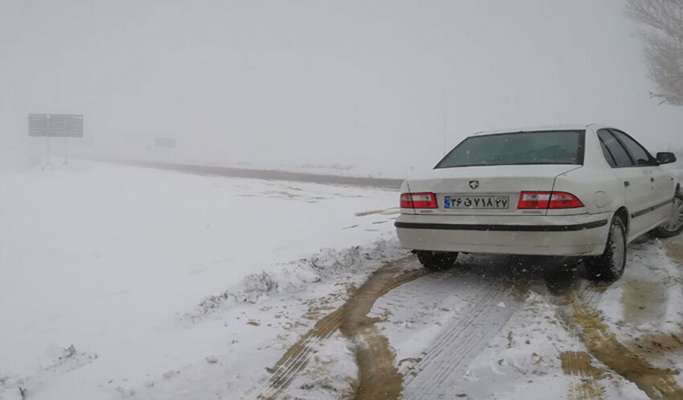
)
(666, 158)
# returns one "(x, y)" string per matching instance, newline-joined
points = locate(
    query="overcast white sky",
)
(348, 81)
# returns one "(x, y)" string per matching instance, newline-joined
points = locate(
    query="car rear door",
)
(638, 191)
(661, 182)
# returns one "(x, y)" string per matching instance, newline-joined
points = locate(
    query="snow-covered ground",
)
(127, 283)
(110, 275)
(501, 328)
(516, 328)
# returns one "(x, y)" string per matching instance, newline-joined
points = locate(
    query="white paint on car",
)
(466, 218)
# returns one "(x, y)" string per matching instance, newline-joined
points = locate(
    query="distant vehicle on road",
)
(583, 191)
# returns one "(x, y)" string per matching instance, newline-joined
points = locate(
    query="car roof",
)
(568, 127)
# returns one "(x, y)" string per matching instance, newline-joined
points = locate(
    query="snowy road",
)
(498, 328)
(270, 174)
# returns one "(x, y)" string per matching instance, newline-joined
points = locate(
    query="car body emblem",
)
(474, 184)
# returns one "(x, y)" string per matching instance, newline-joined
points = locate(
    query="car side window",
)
(607, 154)
(637, 152)
(616, 155)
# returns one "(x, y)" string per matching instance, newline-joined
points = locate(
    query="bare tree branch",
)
(662, 22)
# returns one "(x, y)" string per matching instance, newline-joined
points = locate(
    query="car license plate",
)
(476, 202)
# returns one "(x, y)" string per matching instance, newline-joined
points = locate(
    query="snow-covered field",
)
(110, 275)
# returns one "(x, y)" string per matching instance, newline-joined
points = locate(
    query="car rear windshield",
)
(518, 148)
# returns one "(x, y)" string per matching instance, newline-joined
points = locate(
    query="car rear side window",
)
(518, 148)
(616, 154)
(638, 153)
(608, 156)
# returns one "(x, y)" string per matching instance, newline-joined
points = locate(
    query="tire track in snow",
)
(378, 376)
(603, 344)
(446, 360)
(297, 356)
(585, 383)
(351, 318)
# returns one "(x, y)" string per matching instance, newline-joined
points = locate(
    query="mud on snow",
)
(497, 327)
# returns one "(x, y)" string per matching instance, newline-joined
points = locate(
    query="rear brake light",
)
(548, 200)
(418, 200)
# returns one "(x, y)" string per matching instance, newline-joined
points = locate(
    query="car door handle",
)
(627, 183)
(652, 179)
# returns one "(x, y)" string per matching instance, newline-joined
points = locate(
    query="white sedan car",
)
(573, 191)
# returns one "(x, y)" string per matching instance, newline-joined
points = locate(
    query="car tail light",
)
(548, 200)
(418, 200)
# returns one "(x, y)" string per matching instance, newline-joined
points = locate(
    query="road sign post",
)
(56, 125)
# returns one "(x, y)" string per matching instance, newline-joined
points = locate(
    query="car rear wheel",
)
(610, 265)
(674, 225)
(436, 260)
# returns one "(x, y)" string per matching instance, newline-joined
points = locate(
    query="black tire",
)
(609, 266)
(674, 226)
(436, 260)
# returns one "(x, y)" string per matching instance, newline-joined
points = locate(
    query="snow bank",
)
(329, 265)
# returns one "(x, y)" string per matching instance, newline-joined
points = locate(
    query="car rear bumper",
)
(576, 235)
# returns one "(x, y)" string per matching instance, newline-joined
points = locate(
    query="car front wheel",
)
(610, 265)
(436, 260)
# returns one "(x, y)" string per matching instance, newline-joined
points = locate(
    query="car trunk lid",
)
(486, 190)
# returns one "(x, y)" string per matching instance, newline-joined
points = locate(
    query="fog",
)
(380, 85)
